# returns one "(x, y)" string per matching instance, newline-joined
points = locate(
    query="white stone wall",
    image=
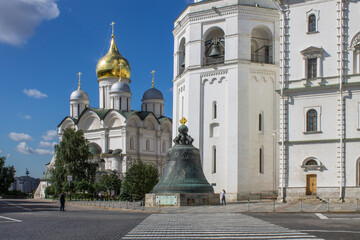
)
(322, 94)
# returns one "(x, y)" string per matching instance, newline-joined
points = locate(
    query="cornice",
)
(214, 73)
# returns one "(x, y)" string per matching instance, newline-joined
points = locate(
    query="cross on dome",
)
(183, 121)
(153, 76)
(79, 74)
(112, 28)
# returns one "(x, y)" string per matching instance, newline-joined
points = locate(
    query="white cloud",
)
(25, 149)
(26, 117)
(34, 93)
(0, 151)
(19, 18)
(19, 137)
(8, 155)
(50, 134)
(43, 144)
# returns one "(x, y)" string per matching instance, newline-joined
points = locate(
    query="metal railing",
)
(242, 206)
(261, 59)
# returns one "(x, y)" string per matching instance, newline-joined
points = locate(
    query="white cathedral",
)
(117, 134)
(271, 91)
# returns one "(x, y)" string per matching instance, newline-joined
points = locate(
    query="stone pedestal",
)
(181, 199)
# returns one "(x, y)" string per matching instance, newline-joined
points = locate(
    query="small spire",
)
(112, 29)
(153, 76)
(79, 80)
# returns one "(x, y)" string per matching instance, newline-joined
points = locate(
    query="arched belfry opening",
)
(181, 62)
(214, 46)
(261, 45)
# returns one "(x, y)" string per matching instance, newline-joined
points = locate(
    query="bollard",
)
(357, 204)
(133, 204)
(127, 204)
(248, 205)
(159, 205)
(328, 205)
(300, 205)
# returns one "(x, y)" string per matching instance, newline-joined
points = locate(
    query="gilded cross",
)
(79, 74)
(183, 121)
(153, 76)
(112, 27)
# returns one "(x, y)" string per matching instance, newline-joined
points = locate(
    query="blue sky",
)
(45, 43)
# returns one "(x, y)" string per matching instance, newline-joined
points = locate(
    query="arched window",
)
(311, 162)
(214, 46)
(312, 23)
(260, 122)
(147, 145)
(214, 160)
(163, 146)
(181, 56)
(261, 45)
(214, 110)
(311, 121)
(132, 144)
(261, 161)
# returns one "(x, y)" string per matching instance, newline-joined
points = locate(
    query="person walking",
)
(62, 202)
(222, 197)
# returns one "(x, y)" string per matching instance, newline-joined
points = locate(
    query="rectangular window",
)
(312, 68)
(214, 160)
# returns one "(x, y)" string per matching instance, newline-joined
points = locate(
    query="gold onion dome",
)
(113, 63)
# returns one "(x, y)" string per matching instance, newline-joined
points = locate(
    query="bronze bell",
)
(215, 50)
(183, 171)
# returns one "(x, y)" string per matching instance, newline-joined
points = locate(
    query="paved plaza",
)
(32, 219)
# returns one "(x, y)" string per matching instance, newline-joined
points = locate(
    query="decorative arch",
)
(66, 123)
(89, 121)
(114, 119)
(151, 122)
(166, 126)
(262, 45)
(133, 121)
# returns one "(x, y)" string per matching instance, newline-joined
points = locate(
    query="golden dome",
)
(111, 64)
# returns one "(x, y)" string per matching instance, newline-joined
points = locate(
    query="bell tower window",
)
(214, 46)
(181, 56)
(261, 45)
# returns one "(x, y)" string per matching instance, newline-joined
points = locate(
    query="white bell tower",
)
(225, 77)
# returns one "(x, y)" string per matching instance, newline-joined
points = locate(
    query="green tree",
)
(72, 158)
(139, 180)
(7, 176)
(111, 183)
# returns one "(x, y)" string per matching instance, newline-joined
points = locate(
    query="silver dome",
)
(79, 95)
(153, 93)
(120, 87)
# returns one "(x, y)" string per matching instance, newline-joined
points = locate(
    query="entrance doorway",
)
(311, 184)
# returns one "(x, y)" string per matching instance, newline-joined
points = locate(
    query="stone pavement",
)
(214, 226)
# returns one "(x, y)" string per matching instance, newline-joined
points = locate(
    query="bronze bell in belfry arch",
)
(183, 171)
(215, 50)
(183, 63)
